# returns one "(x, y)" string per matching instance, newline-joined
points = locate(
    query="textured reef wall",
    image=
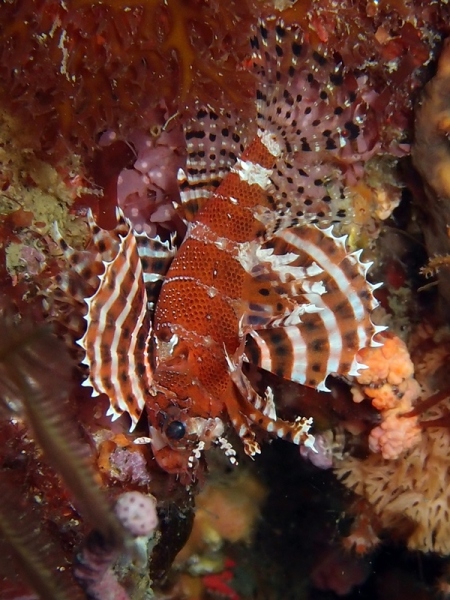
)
(94, 97)
(76, 69)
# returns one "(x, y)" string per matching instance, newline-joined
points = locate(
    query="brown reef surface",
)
(74, 72)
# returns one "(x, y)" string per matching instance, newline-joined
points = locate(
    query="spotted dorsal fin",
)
(311, 193)
(305, 90)
(311, 106)
(331, 320)
(214, 142)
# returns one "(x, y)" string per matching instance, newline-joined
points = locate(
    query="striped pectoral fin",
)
(267, 296)
(272, 292)
(262, 305)
(156, 257)
(280, 350)
(326, 337)
(117, 333)
(106, 241)
(322, 343)
(88, 265)
(81, 279)
(303, 353)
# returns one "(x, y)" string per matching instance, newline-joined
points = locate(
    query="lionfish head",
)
(178, 438)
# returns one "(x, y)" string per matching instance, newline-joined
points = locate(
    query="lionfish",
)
(259, 278)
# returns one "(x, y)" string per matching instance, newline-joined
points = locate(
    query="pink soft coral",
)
(146, 191)
(395, 435)
(388, 363)
(388, 397)
(389, 382)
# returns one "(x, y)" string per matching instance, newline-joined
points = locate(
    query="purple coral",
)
(146, 191)
(321, 455)
(137, 513)
(93, 566)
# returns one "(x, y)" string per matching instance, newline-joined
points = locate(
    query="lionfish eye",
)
(175, 430)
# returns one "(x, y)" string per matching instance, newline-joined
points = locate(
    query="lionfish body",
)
(259, 277)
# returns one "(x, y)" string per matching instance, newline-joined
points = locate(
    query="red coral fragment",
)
(218, 583)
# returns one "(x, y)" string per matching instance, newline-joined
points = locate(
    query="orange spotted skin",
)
(208, 326)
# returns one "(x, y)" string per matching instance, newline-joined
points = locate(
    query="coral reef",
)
(29, 360)
(389, 383)
(408, 495)
(409, 492)
(93, 100)
(36, 379)
(146, 192)
(431, 158)
(93, 568)
(340, 573)
(227, 511)
(75, 70)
